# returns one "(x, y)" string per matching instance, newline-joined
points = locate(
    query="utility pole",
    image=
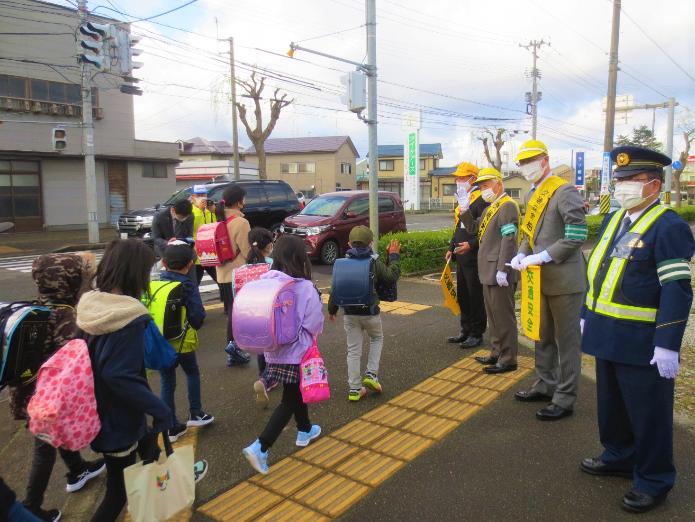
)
(372, 119)
(235, 132)
(534, 96)
(88, 140)
(612, 79)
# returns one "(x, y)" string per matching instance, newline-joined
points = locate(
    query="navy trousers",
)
(635, 421)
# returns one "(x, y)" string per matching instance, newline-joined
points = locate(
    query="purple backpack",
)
(264, 315)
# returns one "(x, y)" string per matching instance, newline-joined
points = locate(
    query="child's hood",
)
(361, 252)
(100, 313)
(60, 278)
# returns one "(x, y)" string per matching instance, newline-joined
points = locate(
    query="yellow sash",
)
(490, 213)
(457, 213)
(536, 206)
(531, 302)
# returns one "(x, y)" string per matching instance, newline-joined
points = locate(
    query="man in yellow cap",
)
(464, 245)
(497, 232)
(553, 231)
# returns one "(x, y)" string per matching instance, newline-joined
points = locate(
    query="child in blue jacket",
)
(178, 260)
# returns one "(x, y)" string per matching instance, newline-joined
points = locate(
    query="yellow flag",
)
(449, 291)
(531, 302)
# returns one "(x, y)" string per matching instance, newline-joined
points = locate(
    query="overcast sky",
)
(459, 61)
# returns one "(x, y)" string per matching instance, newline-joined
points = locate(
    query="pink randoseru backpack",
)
(213, 245)
(313, 376)
(264, 315)
(247, 273)
(63, 411)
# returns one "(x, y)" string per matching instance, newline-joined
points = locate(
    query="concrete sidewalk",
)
(19, 243)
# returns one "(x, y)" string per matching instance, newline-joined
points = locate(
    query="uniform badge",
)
(623, 159)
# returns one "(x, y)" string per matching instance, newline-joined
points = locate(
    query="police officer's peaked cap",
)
(629, 161)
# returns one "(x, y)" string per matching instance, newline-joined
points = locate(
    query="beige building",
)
(312, 165)
(39, 186)
(391, 168)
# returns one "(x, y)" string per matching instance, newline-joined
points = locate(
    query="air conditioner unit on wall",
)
(98, 113)
(27, 106)
(55, 109)
(36, 107)
(69, 111)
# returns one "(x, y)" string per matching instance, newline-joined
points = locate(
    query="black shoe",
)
(497, 368)
(553, 412)
(52, 515)
(637, 502)
(595, 466)
(457, 338)
(472, 342)
(487, 360)
(176, 432)
(76, 481)
(531, 396)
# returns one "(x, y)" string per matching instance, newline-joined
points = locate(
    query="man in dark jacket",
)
(464, 245)
(174, 222)
(359, 319)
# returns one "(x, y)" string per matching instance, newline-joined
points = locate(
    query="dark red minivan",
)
(326, 221)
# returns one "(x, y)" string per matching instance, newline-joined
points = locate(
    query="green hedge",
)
(423, 250)
(686, 212)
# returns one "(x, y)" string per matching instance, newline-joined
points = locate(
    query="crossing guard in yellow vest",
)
(497, 235)
(464, 245)
(552, 233)
(633, 320)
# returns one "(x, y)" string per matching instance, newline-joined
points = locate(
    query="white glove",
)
(516, 261)
(581, 326)
(464, 200)
(501, 278)
(666, 362)
(536, 259)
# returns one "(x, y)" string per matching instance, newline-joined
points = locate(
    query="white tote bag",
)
(159, 490)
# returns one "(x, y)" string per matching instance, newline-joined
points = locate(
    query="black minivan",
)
(267, 204)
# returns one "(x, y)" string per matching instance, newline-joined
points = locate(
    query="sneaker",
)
(200, 469)
(261, 393)
(257, 458)
(356, 395)
(200, 419)
(76, 481)
(52, 515)
(305, 437)
(177, 432)
(372, 382)
(236, 356)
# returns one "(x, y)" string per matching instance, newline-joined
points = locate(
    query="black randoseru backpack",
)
(23, 331)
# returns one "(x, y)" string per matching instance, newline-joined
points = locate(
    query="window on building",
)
(514, 193)
(435, 163)
(423, 164)
(346, 168)
(154, 170)
(20, 190)
(43, 90)
(298, 168)
(386, 165)
(448, 189)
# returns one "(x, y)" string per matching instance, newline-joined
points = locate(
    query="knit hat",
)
(362, 235)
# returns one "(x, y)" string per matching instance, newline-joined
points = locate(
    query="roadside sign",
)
(579, 169)
(606, 173)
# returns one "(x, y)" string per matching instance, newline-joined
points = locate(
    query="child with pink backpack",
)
(286, 330)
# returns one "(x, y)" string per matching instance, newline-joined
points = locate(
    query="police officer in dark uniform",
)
(464, 245)
(634, 317)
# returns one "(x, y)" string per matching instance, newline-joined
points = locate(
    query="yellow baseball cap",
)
(466, 169)
(489, 173)
(530, 149)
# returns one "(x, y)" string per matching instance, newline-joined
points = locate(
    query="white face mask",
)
(488, 195)
(533, 171)
(629, 193)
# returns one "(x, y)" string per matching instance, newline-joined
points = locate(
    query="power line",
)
(329, 34)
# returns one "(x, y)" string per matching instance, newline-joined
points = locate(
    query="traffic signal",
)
(355, 97)
(59, 138)
(92, 44)
(126, 50)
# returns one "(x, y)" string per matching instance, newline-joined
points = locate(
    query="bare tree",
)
(257, 134)
(688, 129)
(498, 142)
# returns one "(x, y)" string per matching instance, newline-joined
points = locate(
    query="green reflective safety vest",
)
(165, 304)
(600, 298)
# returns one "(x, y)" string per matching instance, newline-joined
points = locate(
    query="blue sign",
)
(677, 165)
(606, 172)
(579, 169)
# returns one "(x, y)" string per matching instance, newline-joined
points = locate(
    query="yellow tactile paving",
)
(401, 445)
(288, 476)
(241, 503)
(430, 426)
(326, 452)
(402, 311)
(324, 480)
(389, 415)
(436, 387)
(360, 432)
(288, 511)
(369, 467)
(393, 307)
(331, 494)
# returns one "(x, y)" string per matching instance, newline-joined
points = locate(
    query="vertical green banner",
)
(412, 154)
